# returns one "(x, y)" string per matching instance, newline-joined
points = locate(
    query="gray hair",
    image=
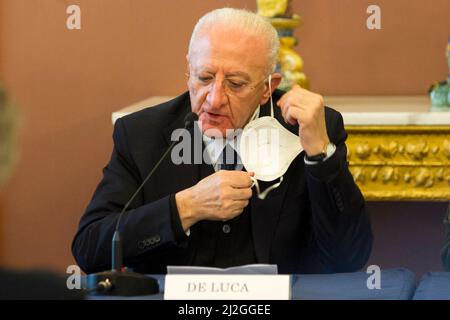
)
(8, 126)
(248, 21)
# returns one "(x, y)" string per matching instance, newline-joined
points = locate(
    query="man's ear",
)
(187, 63)
(186, 72)
(276, 80)
(274, 83)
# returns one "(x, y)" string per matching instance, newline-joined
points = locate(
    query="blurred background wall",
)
(68, 82)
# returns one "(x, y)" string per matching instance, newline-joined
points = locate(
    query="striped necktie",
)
(228, 158)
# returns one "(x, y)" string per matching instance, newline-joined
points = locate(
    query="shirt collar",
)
(215, 146)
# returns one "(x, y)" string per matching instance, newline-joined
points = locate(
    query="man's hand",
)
(220, 196)
(307, 109)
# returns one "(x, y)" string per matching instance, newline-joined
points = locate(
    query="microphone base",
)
(126, 283)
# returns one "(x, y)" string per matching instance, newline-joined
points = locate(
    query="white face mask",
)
(267, 149)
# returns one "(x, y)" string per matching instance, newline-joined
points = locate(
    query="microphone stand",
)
(121, 281)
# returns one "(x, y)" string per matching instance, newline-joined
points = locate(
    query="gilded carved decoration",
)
(400, 162)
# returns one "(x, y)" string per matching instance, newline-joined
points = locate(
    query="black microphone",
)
(124, 282)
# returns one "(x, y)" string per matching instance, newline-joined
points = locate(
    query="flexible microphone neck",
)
(116, 250)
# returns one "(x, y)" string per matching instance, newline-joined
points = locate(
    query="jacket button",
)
(226, 228)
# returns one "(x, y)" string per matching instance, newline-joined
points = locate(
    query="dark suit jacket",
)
(314, 222)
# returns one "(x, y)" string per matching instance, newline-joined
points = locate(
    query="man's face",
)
(227, 79)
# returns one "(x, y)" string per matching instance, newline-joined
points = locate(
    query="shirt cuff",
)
(177, 228)
(326, 169)
(329, 155)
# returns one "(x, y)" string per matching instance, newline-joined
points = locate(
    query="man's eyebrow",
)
(241, 74)
(205, 71)
(238, 74)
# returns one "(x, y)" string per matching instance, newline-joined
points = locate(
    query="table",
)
(397, 149)
(396, 284)
(434, 286)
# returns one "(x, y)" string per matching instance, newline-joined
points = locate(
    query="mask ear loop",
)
(255, 113)
(263, 195)
(271, 100)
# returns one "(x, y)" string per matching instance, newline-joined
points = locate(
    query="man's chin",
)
(215, 131)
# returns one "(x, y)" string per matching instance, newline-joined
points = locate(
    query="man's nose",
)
(217, 97)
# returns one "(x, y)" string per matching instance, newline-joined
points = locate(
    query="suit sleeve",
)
(341, 225)
(146, 229)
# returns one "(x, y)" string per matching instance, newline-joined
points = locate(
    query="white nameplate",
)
(227, 287)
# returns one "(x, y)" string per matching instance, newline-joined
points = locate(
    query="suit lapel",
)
(265, 213)
(264, 216)
(185, 174)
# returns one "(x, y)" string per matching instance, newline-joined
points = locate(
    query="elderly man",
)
(198, 214)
